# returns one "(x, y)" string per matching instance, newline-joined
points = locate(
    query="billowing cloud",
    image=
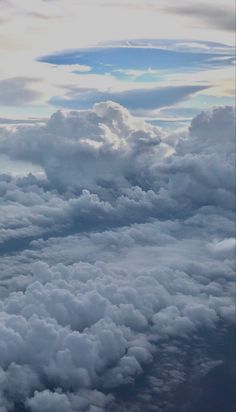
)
(117, 265)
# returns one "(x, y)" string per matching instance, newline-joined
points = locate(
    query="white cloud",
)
(77, 67)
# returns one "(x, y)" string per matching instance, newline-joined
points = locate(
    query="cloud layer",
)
(119, 256)
(138, 101)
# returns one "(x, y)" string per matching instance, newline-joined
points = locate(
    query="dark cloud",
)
(16, 91)
(117, 266)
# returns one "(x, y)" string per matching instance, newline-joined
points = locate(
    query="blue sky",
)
(115, 59)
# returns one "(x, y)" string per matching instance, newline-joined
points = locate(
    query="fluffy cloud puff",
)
(86, 149)
(105, 168)
(119, 256)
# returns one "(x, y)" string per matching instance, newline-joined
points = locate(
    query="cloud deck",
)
(120, 255)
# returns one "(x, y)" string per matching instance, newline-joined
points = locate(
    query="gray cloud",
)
(127, 269)
(12, 122)
(213, 15)
(221, 18)
(138, 101)
(16, 91)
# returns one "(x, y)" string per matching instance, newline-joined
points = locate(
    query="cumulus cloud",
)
(107, 138)
(116, 262)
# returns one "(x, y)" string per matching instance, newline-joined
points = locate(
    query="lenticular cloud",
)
(116, 262)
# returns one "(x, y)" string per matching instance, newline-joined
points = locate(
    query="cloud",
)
(179, 45)
(17, 91)
(139, 101)
(101, 185)
(213, 15)
(180, 67)
(117, 266)
(11, 122)
(107, 136)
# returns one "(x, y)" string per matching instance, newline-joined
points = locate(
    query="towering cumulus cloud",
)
(117, 263)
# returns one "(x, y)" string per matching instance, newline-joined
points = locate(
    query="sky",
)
(57, 54)
(117, 206)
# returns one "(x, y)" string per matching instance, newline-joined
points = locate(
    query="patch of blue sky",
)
(179, 111)
(204, 101)
(169, 125)
(26, 111)
(112, 60)
(139, 76)
(170, 118)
